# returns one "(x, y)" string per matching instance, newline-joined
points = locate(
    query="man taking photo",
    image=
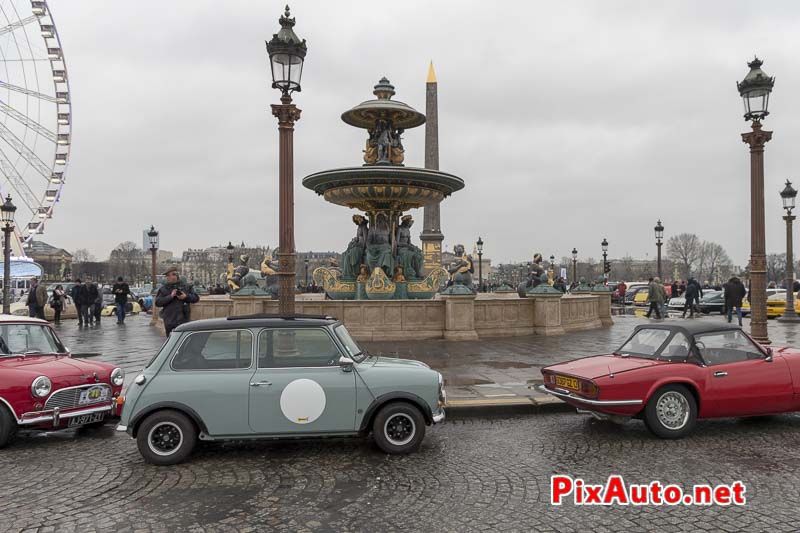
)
(174, 297)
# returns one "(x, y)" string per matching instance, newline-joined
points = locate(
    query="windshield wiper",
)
(31, 352)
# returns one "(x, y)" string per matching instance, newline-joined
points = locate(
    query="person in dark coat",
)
(80, 297)
(734, 294)
(174, 297)
(121, 292)
(94, 303)
(674, 290)
(37, 298)
(692, 295)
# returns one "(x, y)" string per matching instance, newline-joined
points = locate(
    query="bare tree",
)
(82, 255)
(776, 267)
(685, 250)
(714, 262)
(127, 260)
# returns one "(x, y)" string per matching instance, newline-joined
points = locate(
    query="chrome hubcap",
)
(399, 429)
(672, 409)
(165, 438)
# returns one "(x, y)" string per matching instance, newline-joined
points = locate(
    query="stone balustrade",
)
(452, 317)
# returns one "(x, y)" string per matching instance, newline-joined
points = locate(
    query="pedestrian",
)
(58, 302)
(734, 294)
(656, 296)
(674, 289)
(121, 292)
(622, 288)
(94, 300)
(692, 295)
(682, 288)
(80, 297)
(37, 299)
(175, 297)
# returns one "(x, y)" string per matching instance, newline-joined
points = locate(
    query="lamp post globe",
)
(788, 196)
(755, 90)
(7, 211)
(287, 53)
(230, 249)
(479, 245)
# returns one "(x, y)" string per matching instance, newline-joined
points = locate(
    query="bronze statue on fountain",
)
(534, 276)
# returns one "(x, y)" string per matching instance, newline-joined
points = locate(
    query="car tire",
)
(166, 438)
(671, 412)
(8, 427)
(398, 428)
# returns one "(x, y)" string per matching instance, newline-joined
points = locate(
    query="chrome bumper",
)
(55, 416)
(565, 394)
(438, 418)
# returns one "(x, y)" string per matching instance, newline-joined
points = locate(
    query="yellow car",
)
(640, 298)
(776, 305)
(131, 308)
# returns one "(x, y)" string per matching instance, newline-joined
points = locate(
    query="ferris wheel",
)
(35, 115)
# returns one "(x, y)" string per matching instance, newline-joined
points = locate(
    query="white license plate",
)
(85, 419)
(93, 395)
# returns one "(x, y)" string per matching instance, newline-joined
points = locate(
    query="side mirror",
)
(768, 358)
(345, 362)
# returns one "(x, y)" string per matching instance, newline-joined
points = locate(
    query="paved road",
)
(470, 475)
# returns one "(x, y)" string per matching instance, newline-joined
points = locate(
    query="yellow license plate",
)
(570, 383)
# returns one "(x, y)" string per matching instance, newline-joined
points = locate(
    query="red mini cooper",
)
(43, 387)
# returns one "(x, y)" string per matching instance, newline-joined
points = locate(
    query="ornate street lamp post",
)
(659, 229)
(788, 195)
(230, 249)
(152, 239)
(306, 263)
(574, 265)
(7, 211)
(755, 90)
(480, 264)
(604, 246)
(287, 53)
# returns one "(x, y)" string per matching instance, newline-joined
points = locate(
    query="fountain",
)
(381, 262)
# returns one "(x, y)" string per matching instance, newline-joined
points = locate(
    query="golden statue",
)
(267, 266)
(398, 274)
(371, 151)
(363, 274)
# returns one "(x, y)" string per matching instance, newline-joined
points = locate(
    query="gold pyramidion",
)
(431, 74)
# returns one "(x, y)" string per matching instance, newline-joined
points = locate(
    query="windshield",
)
(644, 343)
(16, 339)
(353, 351)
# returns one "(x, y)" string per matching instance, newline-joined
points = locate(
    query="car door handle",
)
(259, 383)
(720, 374)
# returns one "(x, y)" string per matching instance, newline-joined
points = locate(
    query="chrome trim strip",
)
(56, 416)
(438, 418)
(569, 395)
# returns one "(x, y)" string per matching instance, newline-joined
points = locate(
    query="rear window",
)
(645, 343)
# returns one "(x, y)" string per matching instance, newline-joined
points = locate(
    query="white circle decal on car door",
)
(302, 401)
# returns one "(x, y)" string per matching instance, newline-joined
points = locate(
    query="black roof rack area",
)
(284, 317)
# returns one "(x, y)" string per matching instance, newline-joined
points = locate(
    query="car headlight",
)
(117, 377)
(41, 387)
(442, 395)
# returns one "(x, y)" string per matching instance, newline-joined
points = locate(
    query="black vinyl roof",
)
(257, 321)
(691, 327)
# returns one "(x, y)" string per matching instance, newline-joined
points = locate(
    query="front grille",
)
(68, 398)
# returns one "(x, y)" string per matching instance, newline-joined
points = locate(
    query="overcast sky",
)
(568, 121)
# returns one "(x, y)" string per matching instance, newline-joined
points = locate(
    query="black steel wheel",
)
(166, 438)
(8, 426)
(398, 428)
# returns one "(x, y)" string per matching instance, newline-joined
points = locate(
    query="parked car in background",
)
(43, 387)
(20, 308)
(267, 376)
(110, 309)
(712, 302)
(776, 304)
(672, 374)
(630, 292)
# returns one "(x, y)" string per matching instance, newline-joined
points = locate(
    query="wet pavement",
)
(487, 372)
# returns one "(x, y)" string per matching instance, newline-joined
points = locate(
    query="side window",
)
(677, 348)
(215, 350)
(726, 347)
(301, 347)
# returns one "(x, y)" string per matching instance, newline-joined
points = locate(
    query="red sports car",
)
(43, 387)
(670, 375)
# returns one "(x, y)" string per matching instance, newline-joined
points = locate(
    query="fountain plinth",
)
(384, 190)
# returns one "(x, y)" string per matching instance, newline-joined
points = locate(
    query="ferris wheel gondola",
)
(35, 115)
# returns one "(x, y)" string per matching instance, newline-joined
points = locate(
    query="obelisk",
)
(431, 235)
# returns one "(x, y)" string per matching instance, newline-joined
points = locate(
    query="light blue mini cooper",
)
(265, 376)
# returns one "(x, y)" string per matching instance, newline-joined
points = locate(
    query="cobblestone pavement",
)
(470, 475)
